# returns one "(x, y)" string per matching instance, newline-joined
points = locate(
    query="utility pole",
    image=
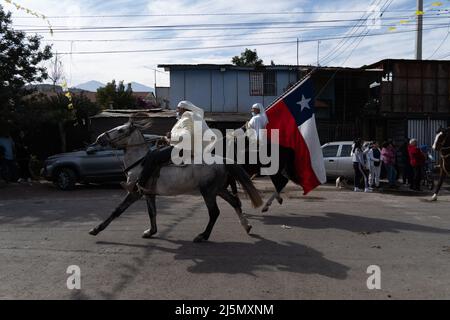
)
(419, 30)
(318, 52)
(297, 52)
(155, 84)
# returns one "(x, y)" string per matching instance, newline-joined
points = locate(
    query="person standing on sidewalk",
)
(7, 157)
(407, 173)
(388, 157)
(417, 161)
(374, 158)
(359, 166)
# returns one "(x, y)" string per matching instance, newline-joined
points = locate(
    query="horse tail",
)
(237, 172)
(232, 184)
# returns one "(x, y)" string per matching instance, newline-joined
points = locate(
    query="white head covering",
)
(260, 107)
(187, 105)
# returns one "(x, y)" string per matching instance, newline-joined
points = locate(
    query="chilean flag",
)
(293, 115)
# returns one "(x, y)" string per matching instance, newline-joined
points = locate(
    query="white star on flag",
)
(304, 104)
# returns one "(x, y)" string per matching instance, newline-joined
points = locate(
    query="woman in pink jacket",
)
(388, 157)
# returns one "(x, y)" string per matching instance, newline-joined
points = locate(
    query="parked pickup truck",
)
(93, 165)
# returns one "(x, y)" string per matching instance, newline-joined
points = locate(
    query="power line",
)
(441, 44)
(446, 55)
(45, 31)
(193, 38)
(358, 42)
(199, 37)
(350, 32)
(227, 46)
(212, 14)
(209, 25)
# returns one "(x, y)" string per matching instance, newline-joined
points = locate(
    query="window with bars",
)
(263, 83)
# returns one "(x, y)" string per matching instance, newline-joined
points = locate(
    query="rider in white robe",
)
(259, 121)
(187, 115)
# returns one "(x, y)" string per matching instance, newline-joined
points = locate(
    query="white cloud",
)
(130, 67)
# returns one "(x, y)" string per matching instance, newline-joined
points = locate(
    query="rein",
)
(111, 141)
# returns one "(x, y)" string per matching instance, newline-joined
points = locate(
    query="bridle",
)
(131, 130)
(112, 142)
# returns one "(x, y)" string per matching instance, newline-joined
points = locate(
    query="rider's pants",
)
(152, 161)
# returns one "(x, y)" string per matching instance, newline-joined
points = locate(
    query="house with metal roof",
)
(228, 88)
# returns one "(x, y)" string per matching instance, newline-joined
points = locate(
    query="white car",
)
(338, 159)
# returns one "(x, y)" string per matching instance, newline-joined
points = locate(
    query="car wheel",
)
(65, 179)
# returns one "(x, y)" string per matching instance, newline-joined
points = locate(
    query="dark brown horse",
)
(442, 145)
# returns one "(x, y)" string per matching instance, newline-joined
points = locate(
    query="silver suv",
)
(338, 159)
(93, 165)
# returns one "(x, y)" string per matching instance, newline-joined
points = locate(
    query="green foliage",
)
(248, 58)
(84, 108)
(20, 64)
(40, 109)
(114, 96)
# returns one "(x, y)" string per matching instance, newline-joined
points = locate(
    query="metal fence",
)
(425, 132)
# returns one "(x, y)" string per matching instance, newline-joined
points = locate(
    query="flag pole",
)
(295, 86)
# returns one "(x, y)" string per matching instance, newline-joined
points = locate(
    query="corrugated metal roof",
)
(168, 67)
(376, 64)
(155, 113)
(209, 116)
(227, 66)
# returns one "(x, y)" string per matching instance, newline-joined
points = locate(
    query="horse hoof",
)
(200, 238)
(94, 232)
(248, 229)
(434, 198)
(280, 201)
(265, 209)
(148, 234)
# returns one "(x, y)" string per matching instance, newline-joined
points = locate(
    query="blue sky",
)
(135, 66)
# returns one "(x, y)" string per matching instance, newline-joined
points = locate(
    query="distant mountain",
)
(93, 85)
(90, 86)
(138, 87)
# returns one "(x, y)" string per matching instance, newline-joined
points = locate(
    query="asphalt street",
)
(313, 247)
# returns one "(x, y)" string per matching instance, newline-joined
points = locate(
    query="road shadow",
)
(54, 212)
(352, 223)
(247, 258)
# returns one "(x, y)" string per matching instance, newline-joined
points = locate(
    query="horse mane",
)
(141, 120)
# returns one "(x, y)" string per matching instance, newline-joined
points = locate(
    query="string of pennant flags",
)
(31, 12)
(38, 15)
(434, 7)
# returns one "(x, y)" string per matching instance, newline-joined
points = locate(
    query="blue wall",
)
(217, 91)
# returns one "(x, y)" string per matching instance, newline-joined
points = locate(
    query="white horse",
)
(208, 180)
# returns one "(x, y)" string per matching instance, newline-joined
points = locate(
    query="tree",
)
(20, 64)
(248, 58)
(41, 109)
(84, 108)
(114, 96)
(56, 71)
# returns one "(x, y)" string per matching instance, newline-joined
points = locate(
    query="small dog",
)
(341, 183)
